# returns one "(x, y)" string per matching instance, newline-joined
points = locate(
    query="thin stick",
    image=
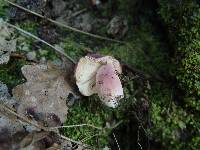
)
(79, 125)
(86, 139)
(68, 139)
(37, 38)
(10, 110)
(116, 141)
(89, 138)
(64, 25)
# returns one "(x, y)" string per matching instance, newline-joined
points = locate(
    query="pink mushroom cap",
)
(108, 85)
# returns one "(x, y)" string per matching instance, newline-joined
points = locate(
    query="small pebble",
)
(31, 56)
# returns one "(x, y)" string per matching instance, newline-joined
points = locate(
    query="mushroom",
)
(93, 69)
(108, 85)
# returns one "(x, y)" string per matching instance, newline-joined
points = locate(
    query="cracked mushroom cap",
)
(108, 85)
(91, 70)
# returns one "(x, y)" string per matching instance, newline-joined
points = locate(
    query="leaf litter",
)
(7, 43)
(44, 96)
(43, 100)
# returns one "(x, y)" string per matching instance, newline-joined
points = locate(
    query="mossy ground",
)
(146, 50)
(10, 73)
(89, 111)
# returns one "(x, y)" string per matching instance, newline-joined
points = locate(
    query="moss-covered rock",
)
(182, 20)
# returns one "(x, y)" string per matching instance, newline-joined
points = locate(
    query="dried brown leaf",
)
(32, 141)
(43, 97)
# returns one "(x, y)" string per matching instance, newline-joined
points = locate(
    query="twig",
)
(37, 38)
(64, 25)
(79, 125)
(89, 138)
(10, 110)
(116, 141)
(71, 140)
(86, 139)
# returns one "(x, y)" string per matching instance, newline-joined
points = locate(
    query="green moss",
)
(188, 74)
(195, 143)
(48, 53)
(88, 111)
(183, 25)
(182, 21)
(29, 26)
(10, 74)
(73, 49)
(172, 125)
(25, 43)
(192, 102)
(3, 6)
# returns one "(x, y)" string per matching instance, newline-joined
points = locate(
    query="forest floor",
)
(133, 36)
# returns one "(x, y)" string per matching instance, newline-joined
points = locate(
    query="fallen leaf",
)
(39, 140)
(32, 141)
(8, 122)
(43, 97)
(14, 133)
